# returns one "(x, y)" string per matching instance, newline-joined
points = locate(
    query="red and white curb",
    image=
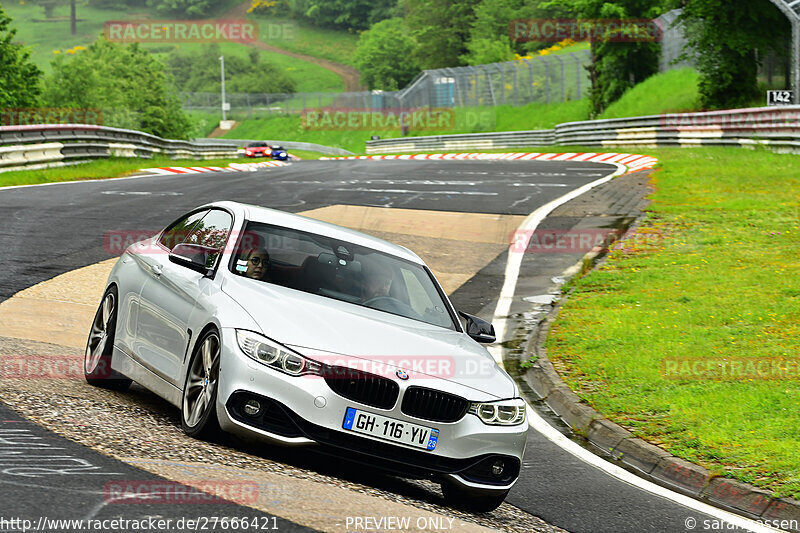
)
(233, 167)
(634, 162)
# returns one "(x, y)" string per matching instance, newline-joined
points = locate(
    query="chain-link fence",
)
(673, 42)
(545, 79)
(774, 69)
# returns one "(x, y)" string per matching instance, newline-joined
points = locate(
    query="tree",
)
(126, 82)
(49, 7)
(441, 29)
(345, 14)
(188, 8)
(199, 72)
(617, 66)
(385, 56)
(725, 35)
(489, 41)
(19, 77)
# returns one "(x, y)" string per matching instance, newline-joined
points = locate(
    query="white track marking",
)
(101, 180)
(500, 319)
(539, 424)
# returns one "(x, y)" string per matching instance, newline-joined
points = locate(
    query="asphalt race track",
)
(50, 230)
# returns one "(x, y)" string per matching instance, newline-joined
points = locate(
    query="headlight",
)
(502, 413)
(274, 355)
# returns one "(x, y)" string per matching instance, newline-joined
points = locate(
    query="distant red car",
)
(259, 149)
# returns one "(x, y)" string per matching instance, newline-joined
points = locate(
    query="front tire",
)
(473, 500)
(100, 346)
(199, 405)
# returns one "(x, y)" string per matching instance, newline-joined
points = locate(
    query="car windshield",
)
(277, 147)
(257, 145)
(340, 270)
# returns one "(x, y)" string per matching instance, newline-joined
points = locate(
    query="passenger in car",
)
(257, 265)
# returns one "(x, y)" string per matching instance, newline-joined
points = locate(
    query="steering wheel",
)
(392, 305)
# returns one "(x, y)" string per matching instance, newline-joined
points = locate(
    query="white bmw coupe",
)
(269, 324)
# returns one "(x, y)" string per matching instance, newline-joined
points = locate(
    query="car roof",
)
(275, 217)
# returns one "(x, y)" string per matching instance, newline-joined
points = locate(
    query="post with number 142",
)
(780, 97)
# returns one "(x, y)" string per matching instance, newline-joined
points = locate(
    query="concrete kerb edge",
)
(619, 445)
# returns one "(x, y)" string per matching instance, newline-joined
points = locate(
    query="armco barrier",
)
(774, 127)
(38, 146)
(49, 145)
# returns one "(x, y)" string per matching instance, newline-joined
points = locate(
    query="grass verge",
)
(46, 38)
(102, 168)
(467, 120)
(334, 45)
(674, 91)
(667, 337)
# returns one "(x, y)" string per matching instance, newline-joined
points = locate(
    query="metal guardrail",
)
(48, 145)
(774, 127)
(467, 141)
(52, 145)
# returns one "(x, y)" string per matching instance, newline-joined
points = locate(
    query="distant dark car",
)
(279, 153)
(258, 149)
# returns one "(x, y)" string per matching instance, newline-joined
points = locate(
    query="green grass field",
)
(46, 37)
(467, 120)
(672, 91)
(102, 168)
(308, 76)
(712, 279)
(116, 167)
(334, 45)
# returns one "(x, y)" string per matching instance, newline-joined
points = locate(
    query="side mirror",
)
(193, 256)
(479, 329)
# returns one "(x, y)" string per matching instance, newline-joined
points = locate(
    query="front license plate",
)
(390, 429)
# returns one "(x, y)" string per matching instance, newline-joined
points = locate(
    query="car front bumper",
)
(305, 410)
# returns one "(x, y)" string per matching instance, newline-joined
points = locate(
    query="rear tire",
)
(473, 500)
(199, 404)
(97, 358)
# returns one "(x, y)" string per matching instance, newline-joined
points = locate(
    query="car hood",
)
(339, 332)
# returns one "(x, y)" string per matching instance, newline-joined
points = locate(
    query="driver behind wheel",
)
(377, 280)
(257, 264)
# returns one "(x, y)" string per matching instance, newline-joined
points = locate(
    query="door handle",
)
(157, 269)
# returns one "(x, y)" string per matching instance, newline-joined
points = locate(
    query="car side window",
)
(177, 232)
(212, 231)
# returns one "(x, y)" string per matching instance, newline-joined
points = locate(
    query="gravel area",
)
(137, 425)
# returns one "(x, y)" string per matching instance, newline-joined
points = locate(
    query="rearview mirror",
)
(193, 256)
(479, 329)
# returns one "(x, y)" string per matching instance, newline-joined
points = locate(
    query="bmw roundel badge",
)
(402, 374)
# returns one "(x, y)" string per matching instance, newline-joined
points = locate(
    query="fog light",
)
(497, 468)
(252, 408)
